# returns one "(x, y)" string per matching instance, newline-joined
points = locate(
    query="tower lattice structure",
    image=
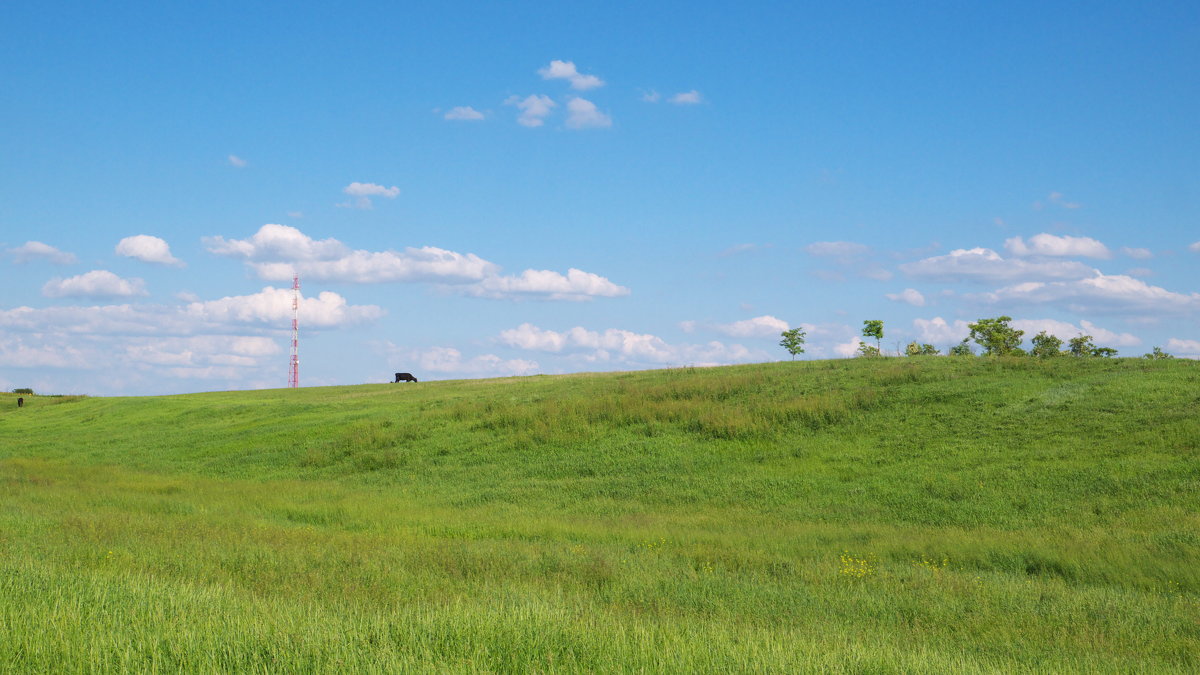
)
(294, 368)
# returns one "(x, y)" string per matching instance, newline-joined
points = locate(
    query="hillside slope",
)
(923, 514)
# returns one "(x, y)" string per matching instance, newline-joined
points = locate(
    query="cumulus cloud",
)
(582, 114)
(36, 250)
(686, 98)
(427, 263)
(575, 285)
(624, 347)
(1100, 293)
(463, 112)
(984, 265)
(234, 160)
(651, 96)
(534, 108)
(362, 193)
(1137, 253)
(1194, 247)
(276, 252)
(565, 70)
(94, 284)
(1065, 331)
(759, 326)
(847, 349)
(1189, 349)
(909, 295)
(1052, 245)
(273, 306)
(938, 331)
(148, 249)
(277, 242)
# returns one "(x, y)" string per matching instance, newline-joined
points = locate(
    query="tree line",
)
(994, 336)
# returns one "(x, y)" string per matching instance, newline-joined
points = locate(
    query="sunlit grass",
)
(891, 515)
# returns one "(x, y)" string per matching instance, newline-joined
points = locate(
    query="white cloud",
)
(686, 98)
(1100, 293)
(837, 249)
(139, 348)
(427, 263)
(94, 284)
(982, 264)
(909, 295)
(273, 306)
(582, 114)
(362, 193)
(234, 160)
(615, 346)
(847, 349)
(36, 250)
(1065, 331)
(938, 331)
(1189, 349)
(576, 285)
(534, 108)
(147, 249)
(1052, 245)
(687, 326)
(277, 242)
(1137, 253)
(462, 112)
(651, 96)
(276, 252)
(759, 326)
(565, 70)
(1194, 247)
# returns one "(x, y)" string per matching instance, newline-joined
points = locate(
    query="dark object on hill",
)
(23, 390)
(20, 401)
(404, 377)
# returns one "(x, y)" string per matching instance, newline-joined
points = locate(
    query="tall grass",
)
(925, 515)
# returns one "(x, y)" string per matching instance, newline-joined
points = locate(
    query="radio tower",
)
(294, 370)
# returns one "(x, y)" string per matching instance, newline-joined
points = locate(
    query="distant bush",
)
(920, 349)
(23, 390)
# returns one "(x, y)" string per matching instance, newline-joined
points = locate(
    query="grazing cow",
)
(405, 377)
(20, 401)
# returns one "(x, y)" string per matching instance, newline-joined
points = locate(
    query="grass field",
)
(884, 515)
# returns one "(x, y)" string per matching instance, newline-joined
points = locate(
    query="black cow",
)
(405, 377)
(20, 402)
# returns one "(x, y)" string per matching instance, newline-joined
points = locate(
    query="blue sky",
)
(474, 191)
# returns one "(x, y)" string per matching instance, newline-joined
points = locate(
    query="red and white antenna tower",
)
(294, 371)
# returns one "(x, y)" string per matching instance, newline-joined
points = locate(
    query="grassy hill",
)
(927, 515)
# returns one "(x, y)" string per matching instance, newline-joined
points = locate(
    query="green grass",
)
(917, 515)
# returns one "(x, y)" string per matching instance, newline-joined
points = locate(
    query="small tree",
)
(1157, 354)
(916, 349)
(997, 337)
(1046, 346)
(793, 341)
(868, 351)
(962, 349)
(874, 328)
(1082, 346)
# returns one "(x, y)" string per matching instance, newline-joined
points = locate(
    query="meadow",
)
(927, 514)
